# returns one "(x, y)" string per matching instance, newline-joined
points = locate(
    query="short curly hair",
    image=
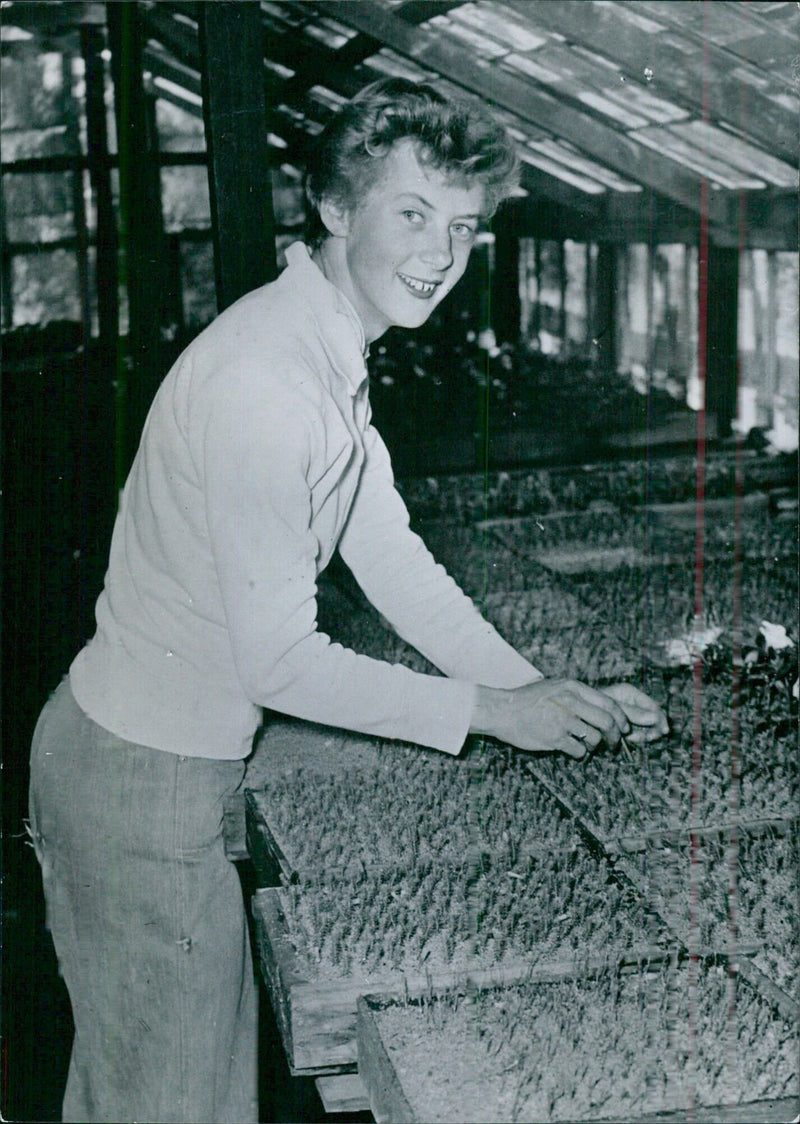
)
(458, 137)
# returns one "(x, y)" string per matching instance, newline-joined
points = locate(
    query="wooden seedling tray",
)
(614, 845)
(317, 1018)
(233, 828)
(272, 865)
(284, 746)
(395, 1094)
(635, 844)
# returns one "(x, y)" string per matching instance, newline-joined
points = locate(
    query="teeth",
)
(418, 286)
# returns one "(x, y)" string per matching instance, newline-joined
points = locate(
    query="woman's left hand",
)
(647, 719)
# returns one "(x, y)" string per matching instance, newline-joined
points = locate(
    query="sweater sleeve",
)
(417, 596)
(256, 466)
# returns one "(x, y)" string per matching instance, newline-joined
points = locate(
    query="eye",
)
(463, 231)
(413, 217)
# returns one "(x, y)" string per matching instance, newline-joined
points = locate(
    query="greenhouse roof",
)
(612, 102)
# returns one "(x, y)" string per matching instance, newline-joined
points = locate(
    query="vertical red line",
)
(735, 761)
(699, 561)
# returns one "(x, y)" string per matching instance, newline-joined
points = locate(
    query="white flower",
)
(679, 653)
(685, 649)
(775, 636)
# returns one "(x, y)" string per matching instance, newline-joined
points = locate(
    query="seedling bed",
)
(652, 789)
(690, 886)
(398, 807)
(316, 1014)
(316, 1011)
(651, 534)
(492, 912)
(647, 609)
(623, 483)
(692, 1041)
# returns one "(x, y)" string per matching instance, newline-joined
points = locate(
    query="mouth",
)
(417, 287)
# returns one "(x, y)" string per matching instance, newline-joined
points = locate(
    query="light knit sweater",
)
(256, 462)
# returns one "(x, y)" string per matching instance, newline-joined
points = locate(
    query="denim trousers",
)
(148, 921)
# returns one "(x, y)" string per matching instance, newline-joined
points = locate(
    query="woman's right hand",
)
(551, 714)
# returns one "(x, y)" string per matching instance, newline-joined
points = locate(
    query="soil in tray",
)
(614, 1047)
(646, 535)
(654, 790)
(404, 806)
(744, 891)
(438, 919)
(424, 863)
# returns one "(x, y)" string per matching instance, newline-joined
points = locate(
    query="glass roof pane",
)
(279, 69)
(611, 108)
(698, 158)
(326, 97)
(485, 48)
(290, 112)
(278, 15)
(389, 62)
(501, 25)
(577, 162)
(553, 168)
(639, 99)
(632, 13)
(329, 32)
(742, 155)
(170, 87)
(532, 68)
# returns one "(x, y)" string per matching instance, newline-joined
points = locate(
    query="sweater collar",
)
(343, 331)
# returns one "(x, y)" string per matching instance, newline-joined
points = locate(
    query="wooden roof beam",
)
(242, 217)
(721, 92)
(176, 36)
(309, 60)
(606, 144)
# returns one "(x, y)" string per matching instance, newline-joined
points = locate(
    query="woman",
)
(257, 462)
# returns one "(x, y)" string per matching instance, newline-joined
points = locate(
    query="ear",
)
(335, 217)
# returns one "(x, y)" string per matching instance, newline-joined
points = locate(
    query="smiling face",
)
(402, 248)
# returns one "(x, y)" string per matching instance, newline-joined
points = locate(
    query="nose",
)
(438, 251)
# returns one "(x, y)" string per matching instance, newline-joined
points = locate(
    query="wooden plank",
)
(611, 146)
(342, 1092)
(273, 867)
(722, 341)
(504, 305)
(92, 45)
(316, 1022)
(233, 828)
(240, 185)
(635, 844)
(387, 1100)
(605, 307)
(755, 1112)
(775, 995)
(141, 229)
